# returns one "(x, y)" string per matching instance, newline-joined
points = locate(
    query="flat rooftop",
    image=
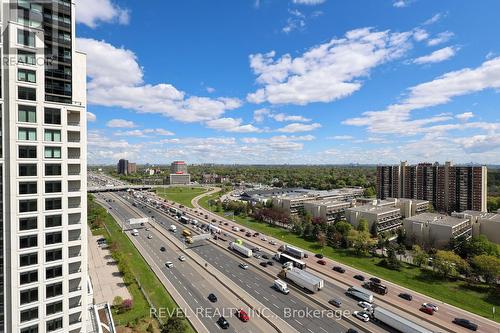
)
(483, 215)
(329, 203)
(437, 219)
(375, 209)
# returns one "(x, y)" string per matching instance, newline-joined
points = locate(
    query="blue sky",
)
(292, 81)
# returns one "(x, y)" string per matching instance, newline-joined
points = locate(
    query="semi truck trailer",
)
(302, 279)
(241, 249)
(395, 321)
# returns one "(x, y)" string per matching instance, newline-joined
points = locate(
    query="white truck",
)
(214, 229)
(241, 249)
(360, 294)
(395, 321)
(173, 228)
(302, 278)
(281, 286)
(293, 251)
(184, 220)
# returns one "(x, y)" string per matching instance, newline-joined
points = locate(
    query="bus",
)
(284, 258)
(360, 294)
(186, 233)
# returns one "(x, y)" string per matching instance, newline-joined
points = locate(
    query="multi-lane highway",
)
(187, 278)
(293, 308)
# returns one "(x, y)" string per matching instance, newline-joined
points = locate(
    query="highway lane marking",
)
(298, 322)
(277, 307)
(310, 330)
(321, 328)
(257, 292)
(291, 300)
(265, 298)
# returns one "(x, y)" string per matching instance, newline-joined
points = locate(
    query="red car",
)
(321, 262)
(427, 310)
(242, 315)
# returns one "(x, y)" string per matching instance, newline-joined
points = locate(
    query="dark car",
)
(319, 256)
(162, 249)
(222, 322)
(375, 280)
(321, 262)
(248, 234)
(265, 256)
(406, 296)
(263, 264)
(270, 263)
(212, 298)
(335, 302)
(359, 277)
(225, 223)
(465, 323)
(338, 269)
(214, 220)
(352, 330)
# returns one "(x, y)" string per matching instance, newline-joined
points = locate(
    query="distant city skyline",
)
(292, 82)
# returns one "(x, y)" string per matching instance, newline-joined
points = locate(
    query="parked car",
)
(359, 277)
(338, 269)
(319, 256)
(335, 302)
(321, 262)
(465, 323)
(406, 296)
(242, 315)
(362, 315)
(212, 298)
(222, 322)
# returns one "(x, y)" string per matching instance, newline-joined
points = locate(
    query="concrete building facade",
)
(449, 188)
(436, 230)
(43, 278)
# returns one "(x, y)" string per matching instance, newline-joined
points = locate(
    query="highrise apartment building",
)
(449, 188)
(43, 275)
(122, 167)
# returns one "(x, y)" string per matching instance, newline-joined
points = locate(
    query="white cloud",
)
(91, 117)
(145, 132)
(308, 2)
(396, 118)
(281, 117)
(420, 34)
(231, 125)
(441, 38)
(91, 12)
(328, 71)
(297, 127)
(465, 116)
(402, 3)
(210, 90)
(296, 21)
(260, 115)
(433, 19)
(116, 80)
(120, 123)
(480, 143)
(437, 56)
(341, 137)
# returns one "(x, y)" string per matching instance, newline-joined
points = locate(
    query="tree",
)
(392, 261)
(363, 225)
(420, 257)
(488, 267)
(127, 304)
(322, 239)
(343, 227)
(174, 324)
(360, 241)
(447, 263)
(117, 302)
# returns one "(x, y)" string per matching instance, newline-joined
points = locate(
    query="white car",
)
(169, 264)
(365, 305)
(182, 258)
(243, 266)
(150, 237)
(361, 315)
(432, 306)
(147, 229)
(272, 242)
(264, 239)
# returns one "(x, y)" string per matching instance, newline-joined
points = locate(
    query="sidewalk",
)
(106, 279)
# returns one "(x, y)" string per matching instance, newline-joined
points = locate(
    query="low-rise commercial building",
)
(436, 230)
(487, 224)
(329, 210)
(381, 216)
